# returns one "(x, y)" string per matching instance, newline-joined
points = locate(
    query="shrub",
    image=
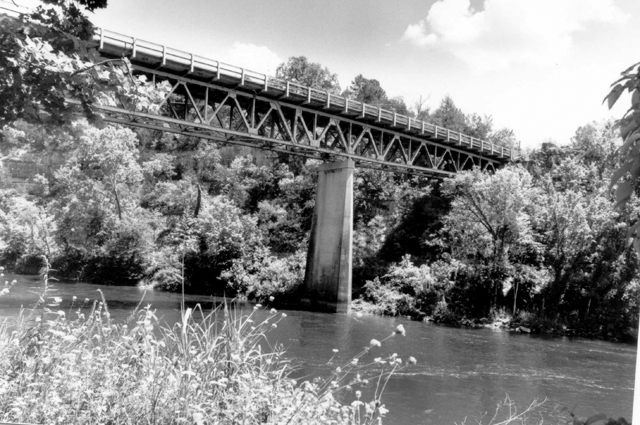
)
(263, 275)
(408, 289)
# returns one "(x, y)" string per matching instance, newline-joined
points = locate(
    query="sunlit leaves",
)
(625, 179)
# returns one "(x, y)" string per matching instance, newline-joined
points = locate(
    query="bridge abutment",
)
(327, 281)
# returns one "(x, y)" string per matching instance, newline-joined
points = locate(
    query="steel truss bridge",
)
(212, 100)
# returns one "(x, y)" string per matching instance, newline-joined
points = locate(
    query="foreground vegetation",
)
(79, 366)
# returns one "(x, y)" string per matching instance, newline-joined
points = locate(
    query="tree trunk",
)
(115, 192)
(515, 298)
(198, 202)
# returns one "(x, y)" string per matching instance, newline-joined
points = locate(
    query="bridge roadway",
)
(223, 102)
(213, 100)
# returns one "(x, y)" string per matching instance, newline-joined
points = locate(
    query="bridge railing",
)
(161, 57)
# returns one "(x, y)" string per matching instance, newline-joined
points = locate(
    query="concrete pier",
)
(327, 281)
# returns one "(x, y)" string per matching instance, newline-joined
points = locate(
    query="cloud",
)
(252, 57)
(506, 32)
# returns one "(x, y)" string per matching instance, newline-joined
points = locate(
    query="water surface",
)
(461, 373)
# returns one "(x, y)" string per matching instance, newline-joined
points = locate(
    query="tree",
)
(490, 221)
(311, 74)
(366, 90)
(106, 161)
(48, 56)
(448, 115)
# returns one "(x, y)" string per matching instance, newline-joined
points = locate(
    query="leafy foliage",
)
(626, 177)
(300, 70)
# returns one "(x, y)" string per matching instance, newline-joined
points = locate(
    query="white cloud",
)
(252, 57)
(506, 32)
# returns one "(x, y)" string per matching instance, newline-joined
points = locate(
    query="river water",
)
(460, 373)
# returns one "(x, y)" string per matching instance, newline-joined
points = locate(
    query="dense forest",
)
(540, 240)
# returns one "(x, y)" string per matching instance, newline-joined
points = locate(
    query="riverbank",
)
(536, 325)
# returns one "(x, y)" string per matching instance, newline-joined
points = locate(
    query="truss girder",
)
(222, 113)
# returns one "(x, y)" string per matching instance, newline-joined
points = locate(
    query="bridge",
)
(213, 100)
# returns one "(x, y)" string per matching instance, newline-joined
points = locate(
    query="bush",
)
(264, 276)
(407, 289)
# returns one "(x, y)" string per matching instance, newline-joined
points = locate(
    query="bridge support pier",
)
(327, 281)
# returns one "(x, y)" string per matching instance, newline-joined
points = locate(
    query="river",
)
(460, 373)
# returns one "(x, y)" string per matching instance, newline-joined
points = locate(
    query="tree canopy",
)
(300, 70)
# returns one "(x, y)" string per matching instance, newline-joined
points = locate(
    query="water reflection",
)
(460, 372)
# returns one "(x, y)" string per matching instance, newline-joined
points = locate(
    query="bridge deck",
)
(176, 62)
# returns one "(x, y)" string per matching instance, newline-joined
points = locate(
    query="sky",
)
(539, 67)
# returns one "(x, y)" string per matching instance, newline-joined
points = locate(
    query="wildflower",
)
(358, 314)
(399, 360)
(1, 268)
(365, 382)
(284, 314)
(60, 313)
(394, 355)
(378, 359)
(335, 350)
(13, 282)
(382, 410)
(258, 305)
(375, 343)
(354, 362)
(74, 298)
(338, 369)
(412, 360)
(274, 311)
(1, 274)
(400, 330)
(4, 291)
(271, 298)
(334, 384)
(86, 300)
(358, 394)
(273, 325)
(356, 403)
(249, 320)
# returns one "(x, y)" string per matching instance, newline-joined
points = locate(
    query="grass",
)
(79, 366)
